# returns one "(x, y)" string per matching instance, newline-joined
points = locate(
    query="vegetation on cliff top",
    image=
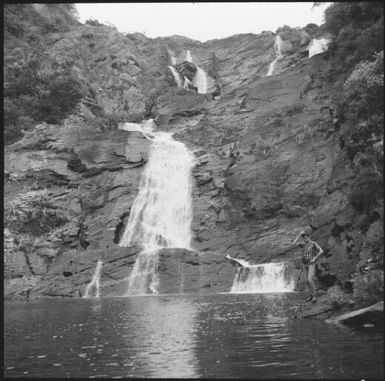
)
(357, 59)
(36, 87)
(357, 65)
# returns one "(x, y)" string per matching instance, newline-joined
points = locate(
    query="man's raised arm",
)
(299, 235)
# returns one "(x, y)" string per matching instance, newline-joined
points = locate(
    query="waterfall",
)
(187, 83)
(177, 78)
(146, 127)
(277, 49)
(200, 81)
(263, 278)
(200, 78)
(188, 56)
(95, 281)
(318, 46)
(161, 214)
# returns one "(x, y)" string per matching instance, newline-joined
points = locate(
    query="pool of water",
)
(226, 336)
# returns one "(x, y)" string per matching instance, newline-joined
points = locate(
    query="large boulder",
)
(186, 69)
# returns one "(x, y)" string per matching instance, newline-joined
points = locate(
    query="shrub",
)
(364, 86)
(368, 288)
(37, 88)
(362, 110)
(366, 193)
(62, 95)
(93, 22)
(40, 90)
(357, 31)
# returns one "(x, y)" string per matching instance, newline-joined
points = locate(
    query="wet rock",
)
(184, 271)
(37, 264)
(346, 217)
(203, 178)
(137, 148)
(20, 288)
(15, 265)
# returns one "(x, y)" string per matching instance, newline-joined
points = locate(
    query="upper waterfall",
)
(200, 80)
(176, 75)
(278, 52)
(318, 46)
(187, 83)
(188, 56)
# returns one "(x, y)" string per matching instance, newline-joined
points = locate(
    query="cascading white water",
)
(200, 78)
(95, 281)
(187, 83)
(278, 52)
(200, 81)
(188, 56)
(318, 46)
(176, 75)
(146, 127)
(161, 214)
(263, 278)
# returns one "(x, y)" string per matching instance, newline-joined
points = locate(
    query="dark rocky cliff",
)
(268, 164)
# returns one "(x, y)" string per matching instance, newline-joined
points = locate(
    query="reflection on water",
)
(182, 336)
(163, 339)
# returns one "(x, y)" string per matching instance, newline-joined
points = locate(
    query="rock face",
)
(188, 272)
(268, 164)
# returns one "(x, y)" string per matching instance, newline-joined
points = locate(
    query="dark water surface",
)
(182, 336)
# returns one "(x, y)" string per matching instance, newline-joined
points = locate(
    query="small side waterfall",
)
(263, 278)
(188, 56)
(318, 46)
(200, 81)
(187, 83)
(161, 214)
(176, 75)
(278, 52)
(95, 281)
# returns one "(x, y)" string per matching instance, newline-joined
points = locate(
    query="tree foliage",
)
(357, 32)
(37, 88)
(368, 288)
(363, 108)
(357, 63)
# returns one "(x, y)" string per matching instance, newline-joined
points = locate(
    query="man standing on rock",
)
(311, 252)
